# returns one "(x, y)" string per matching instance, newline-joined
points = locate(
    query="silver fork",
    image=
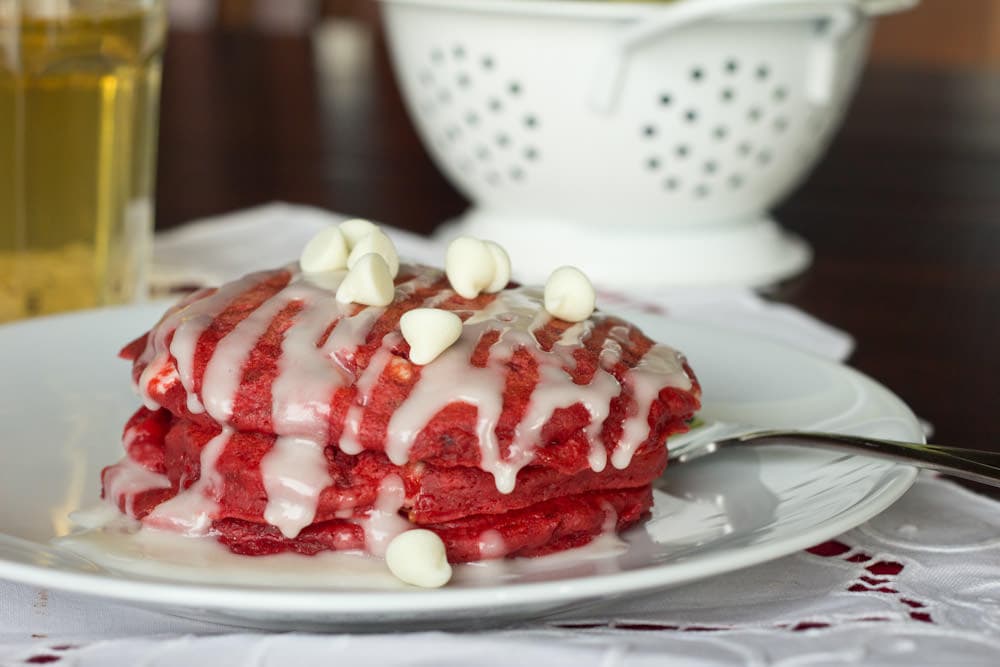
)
(712, 437)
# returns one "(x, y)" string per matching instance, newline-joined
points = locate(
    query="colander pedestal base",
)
(752, 253)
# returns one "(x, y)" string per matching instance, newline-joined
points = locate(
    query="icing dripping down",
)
(384, 521)
(191, 511)
(124, 481)
(294, 474)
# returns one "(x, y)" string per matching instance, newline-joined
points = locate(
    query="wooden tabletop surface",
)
(903, 212)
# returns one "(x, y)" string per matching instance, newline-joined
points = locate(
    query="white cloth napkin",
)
(917, 585)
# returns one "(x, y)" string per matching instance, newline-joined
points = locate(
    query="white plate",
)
(64, 399)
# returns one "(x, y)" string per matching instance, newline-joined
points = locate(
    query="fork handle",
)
(971, 464)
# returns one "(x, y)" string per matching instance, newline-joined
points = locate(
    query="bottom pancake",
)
(542, 528)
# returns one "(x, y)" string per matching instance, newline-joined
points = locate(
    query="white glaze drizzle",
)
(186, 321)
(308, 376)
(646, 379)
(191, 511)
(224, 370)
(294, 473)
(383, 521)
(127, 479)
(350, 437)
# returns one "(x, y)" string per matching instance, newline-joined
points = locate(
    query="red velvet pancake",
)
(279, 419)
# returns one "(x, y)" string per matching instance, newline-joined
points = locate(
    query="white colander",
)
(646, 142)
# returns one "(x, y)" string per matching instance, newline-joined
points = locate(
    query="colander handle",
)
(842, 17)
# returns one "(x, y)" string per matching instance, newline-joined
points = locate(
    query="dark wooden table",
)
(904, 211)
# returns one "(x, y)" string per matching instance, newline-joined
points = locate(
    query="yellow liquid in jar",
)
(79, 94)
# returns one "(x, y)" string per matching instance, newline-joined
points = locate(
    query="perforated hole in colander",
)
(476, 114)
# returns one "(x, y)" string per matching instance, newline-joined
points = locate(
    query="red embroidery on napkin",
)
(885, 568)
(806, 625)
(877, 576)
(645, 626)
(829, 549)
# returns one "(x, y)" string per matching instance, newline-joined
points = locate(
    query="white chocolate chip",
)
(429, 331)
(356, 229)
(418, 557)
(378, 243)
(501, 267)
(327, 251)
(468, 263)
(569, 294)
(368, 282)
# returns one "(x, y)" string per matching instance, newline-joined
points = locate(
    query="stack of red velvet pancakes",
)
(281, 416)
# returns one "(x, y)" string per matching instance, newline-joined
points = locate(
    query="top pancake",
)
(275, 353)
